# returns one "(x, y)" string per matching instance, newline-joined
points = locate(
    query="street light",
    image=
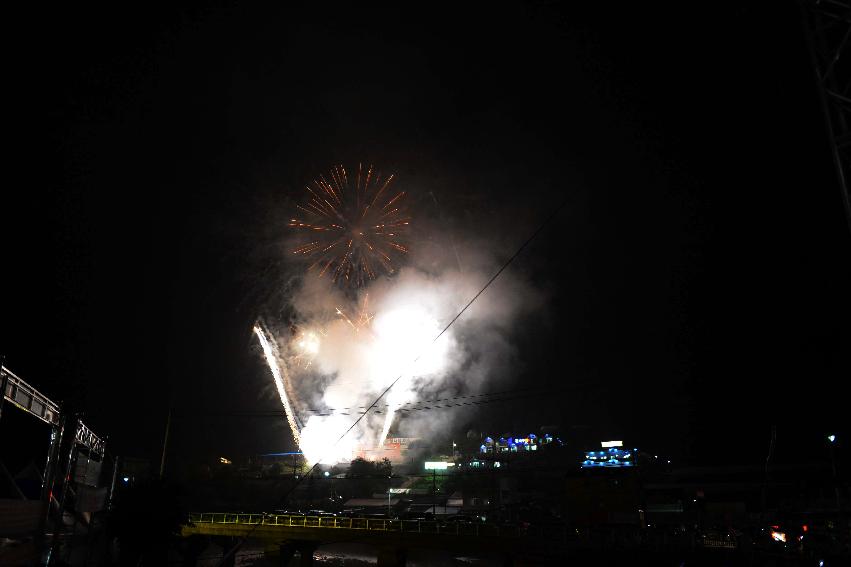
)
(435, 466)
(832, 439)
(389, 508)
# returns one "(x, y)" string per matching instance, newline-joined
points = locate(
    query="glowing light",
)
(831, 438)
(270, 353)
(352, 233)
(396, 345)
(404, 345)
(306, 348)
(308, 343)
(323, 440)
(778, 536)
(606, 444)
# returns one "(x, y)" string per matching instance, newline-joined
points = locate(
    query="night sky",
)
(697, 280)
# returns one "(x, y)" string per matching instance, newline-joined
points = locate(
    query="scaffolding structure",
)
(70, 439)
(827, 26)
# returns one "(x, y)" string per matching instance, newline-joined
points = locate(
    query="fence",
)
(380, 525)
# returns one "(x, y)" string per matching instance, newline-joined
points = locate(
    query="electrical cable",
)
(450, 403)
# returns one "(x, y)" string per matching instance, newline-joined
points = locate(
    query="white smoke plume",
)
(389, 332)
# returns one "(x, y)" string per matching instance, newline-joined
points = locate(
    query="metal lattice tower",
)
(828, 30)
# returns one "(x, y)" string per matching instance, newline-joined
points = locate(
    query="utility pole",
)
(165, 442)
(767, 461)
(434, 492)
(832, 440)
(111, 499)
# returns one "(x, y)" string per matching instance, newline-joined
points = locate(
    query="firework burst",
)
(355, 230)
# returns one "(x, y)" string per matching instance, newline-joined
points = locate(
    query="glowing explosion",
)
(346, 353)
(398, 342)
(353, 233)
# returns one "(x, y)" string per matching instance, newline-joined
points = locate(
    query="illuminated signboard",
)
(607, 444)
(437, 465)
(611, 457)
(512, 444)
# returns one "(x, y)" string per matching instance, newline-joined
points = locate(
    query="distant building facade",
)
(396, 449)
(511, 444)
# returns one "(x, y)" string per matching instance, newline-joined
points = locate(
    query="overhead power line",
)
(450, 402)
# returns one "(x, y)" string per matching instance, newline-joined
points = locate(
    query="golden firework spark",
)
(353, 234)
(364, 317)
(306, 347)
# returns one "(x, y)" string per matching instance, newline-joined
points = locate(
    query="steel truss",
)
(17, 392)
(828, 30)
(27, 398)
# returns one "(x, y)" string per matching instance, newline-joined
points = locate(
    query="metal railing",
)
(28, 398)
(724, 541)
(367, 524)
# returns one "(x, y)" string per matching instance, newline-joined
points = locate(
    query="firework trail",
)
(271, 355)
(353, 234)
(396, 397)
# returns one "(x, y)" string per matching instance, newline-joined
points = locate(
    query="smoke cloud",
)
(340, 350)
